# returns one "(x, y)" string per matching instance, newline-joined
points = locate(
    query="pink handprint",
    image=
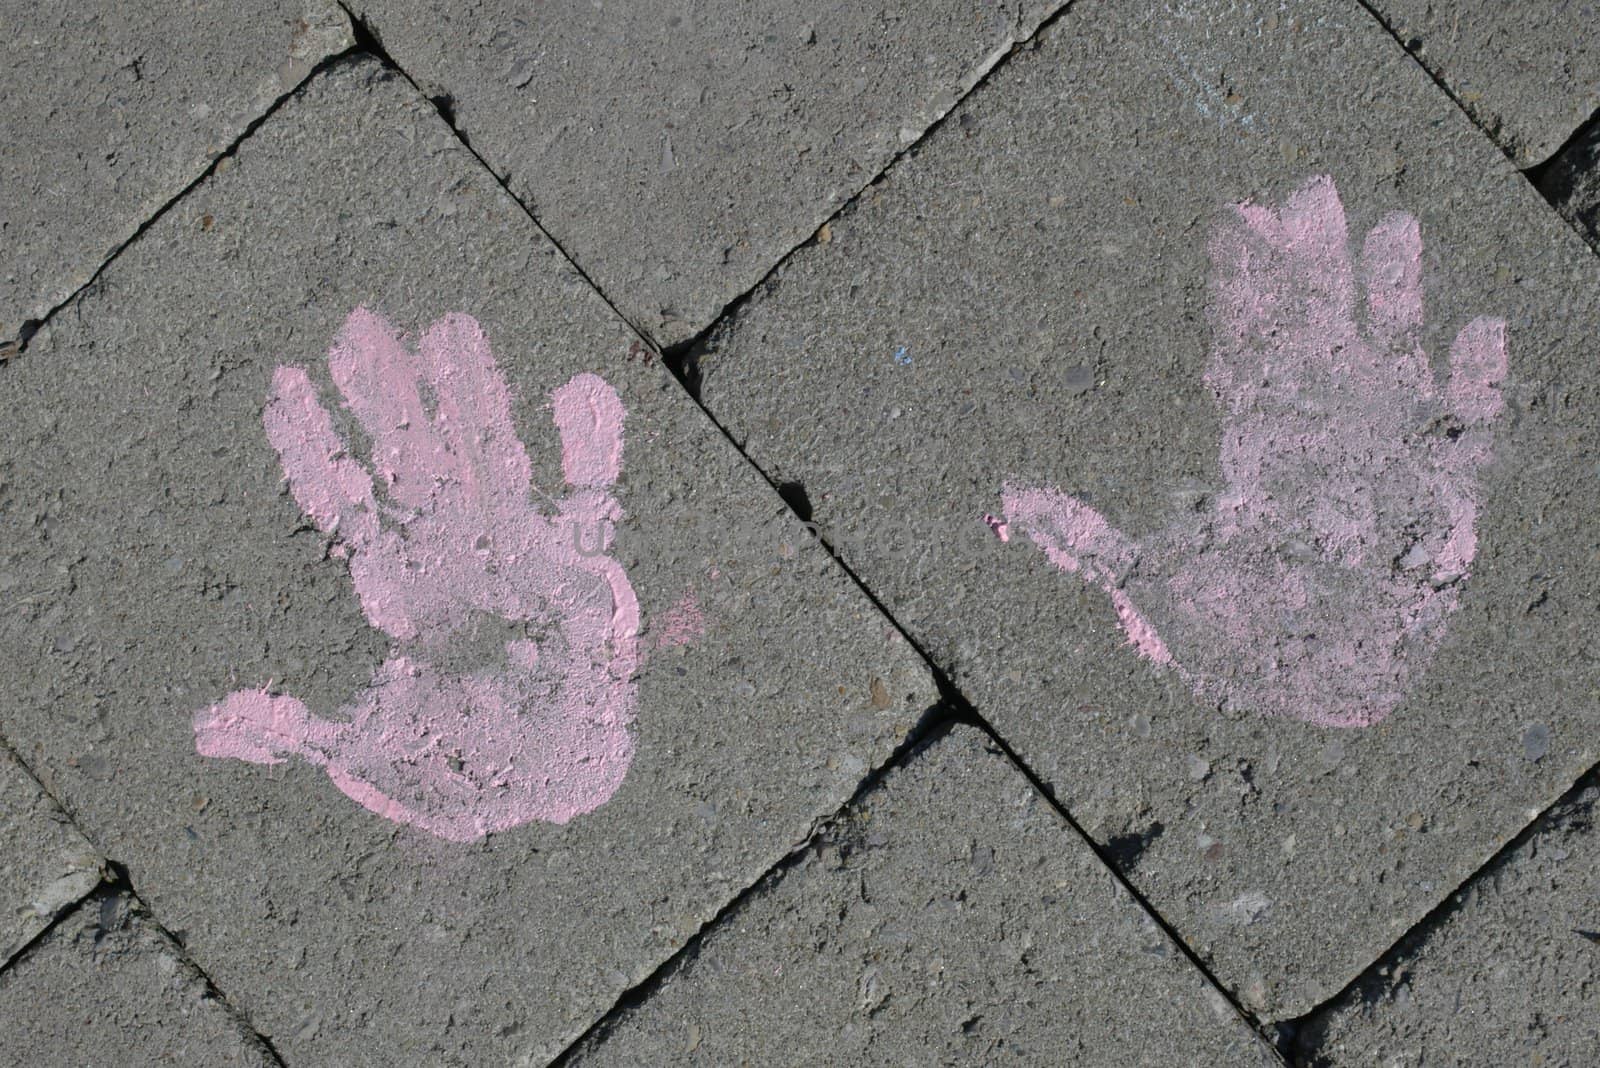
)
(1321, 579)
(510, 692)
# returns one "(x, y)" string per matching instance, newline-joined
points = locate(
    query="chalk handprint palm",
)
(510, 691)
(1319, 582)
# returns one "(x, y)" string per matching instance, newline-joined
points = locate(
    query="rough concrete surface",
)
(1509, 975)
(1571, 182)
(46, 865)
(106, 986)
(161, 562)
(1530, 72)
(1026, 301)
(950, 918)
(107, 114)
(677, 150)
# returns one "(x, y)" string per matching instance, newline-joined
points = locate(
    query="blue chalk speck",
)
(902, 357)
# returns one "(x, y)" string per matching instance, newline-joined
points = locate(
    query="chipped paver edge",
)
(85, 870)
(65, 895)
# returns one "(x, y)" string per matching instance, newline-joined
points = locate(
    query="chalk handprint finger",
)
(510, 691)
(1318, 580)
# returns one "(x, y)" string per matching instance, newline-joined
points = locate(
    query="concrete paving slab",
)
(950, 918)
(1037, 326)
(677, 150)
(48, 865)
(1572, 183)
(107, 986)
(423, 774)
(1529, 72)
(108, 117)
(1511, 975)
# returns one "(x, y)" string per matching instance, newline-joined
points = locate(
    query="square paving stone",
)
(1019, 331)
(1529, 72)
(107, 116)
(950, 918)
(106, 986)
(555, 762)
(677, 150)
(48, 865)
(1510, 975)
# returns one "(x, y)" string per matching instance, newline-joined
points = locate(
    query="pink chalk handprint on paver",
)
(510, 690)
(1320, 580)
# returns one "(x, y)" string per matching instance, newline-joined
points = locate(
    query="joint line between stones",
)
(114, 878)
(934, 723)
(19, 345)
(1416, 935)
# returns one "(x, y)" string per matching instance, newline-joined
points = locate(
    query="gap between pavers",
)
(170, 566)
(48, 864)
(106, 985)
(1505, 971)
(109, 118)
(911, 932)
(1232, 895)
(1527, 73)
(677, 190)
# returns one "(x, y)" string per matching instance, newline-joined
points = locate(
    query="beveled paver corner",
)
(677, 150)
(179, 605)
(108, 114)
(951, 918)
(46, 865)
(1026, 329)
(106, 986)
(1529, 72)
(1510, 976)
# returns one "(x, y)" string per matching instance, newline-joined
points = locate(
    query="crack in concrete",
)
(11, 349)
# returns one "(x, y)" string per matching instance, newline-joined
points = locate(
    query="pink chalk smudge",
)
(683, 624)
(445, 546)
(1320, 580)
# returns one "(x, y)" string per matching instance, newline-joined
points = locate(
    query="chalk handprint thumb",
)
(1318, 579)
(449, 556)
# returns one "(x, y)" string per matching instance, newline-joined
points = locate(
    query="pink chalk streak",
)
(683, 624)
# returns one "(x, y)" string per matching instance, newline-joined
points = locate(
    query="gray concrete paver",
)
(1510, 976)
(950, 918)
(106, 986)
(108, 114)
(163, 562)
(677, 150)
(48, 866)
(1030, 300)
(1529, 72)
